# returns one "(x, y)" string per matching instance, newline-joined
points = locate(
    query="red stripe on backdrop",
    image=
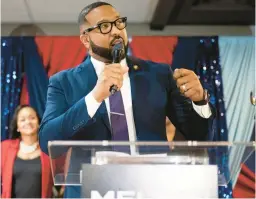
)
(60, 53)
(57, 53)
(24, 97)
(154, 48)
(245, 186)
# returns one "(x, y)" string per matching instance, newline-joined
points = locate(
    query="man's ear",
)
(84, 38)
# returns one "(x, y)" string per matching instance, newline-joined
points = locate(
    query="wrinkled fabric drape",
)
(157, 49)
(11, 80)
(237, 58)
(36, 77)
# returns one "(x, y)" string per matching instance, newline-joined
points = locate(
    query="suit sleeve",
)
(184, 117)
(61, 122)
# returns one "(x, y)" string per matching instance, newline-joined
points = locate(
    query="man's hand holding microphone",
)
(111, 78)
(111, 75)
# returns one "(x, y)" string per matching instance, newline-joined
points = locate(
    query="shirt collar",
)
(99, 65)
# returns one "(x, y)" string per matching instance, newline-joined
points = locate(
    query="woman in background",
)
(25, 170)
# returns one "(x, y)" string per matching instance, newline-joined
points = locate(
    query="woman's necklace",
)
(26, 149)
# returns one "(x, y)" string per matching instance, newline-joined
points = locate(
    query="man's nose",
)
(115, 31)
(28, 121)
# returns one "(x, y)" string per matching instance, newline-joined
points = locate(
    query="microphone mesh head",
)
(117, 48)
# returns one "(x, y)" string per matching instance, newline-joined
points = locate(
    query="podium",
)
(105, 169)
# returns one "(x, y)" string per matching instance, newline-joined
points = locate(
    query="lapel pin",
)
(135, 67)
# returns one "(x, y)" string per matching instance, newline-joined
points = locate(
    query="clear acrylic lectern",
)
(146, 169)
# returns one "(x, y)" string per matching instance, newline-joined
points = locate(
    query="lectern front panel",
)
(149, 181)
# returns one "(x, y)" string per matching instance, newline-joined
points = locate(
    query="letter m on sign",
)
(97, 195)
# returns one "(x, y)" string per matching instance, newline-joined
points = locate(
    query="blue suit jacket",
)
(154, 96)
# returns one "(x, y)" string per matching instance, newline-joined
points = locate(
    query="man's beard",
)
(106, 53)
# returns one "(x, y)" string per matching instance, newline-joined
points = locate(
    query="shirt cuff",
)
(92, 104)
(204, 110)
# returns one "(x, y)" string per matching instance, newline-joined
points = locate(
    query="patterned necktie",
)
(118, 121)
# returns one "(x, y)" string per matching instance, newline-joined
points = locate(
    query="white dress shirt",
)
(92, 105)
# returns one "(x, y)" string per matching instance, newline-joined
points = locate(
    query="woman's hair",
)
(14, 134)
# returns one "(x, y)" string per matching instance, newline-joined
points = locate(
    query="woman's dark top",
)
(26, 181)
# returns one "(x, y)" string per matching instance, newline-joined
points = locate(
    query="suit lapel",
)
(88, 76)
(91, 76)
(135, 74)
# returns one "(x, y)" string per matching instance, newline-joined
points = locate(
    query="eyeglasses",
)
(106, 27)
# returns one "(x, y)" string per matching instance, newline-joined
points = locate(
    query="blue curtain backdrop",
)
(201, 54)
(37, 79)
(238, 71)
(20, 56)
(11, 80)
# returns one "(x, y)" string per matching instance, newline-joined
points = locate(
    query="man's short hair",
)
(85, 11)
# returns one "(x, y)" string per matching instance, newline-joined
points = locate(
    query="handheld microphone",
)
(117, 54)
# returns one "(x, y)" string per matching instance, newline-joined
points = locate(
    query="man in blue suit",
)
(80, 105)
